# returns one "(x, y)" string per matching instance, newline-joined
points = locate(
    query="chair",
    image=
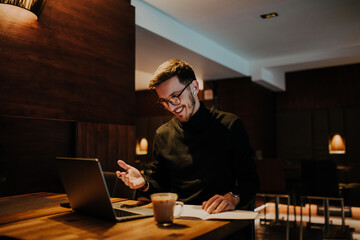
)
(319, 183)
(117, 187)
(272, 185)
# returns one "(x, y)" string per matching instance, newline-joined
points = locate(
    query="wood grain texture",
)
(318, 103)
(146, 104)
(146, 128)
(294, 135)
(55, 208)
(334, 87)
(74, 226)
(254, 105)
(77, 62)
(329, 97)
(20, 214)
(28, 148)
(69, 225)
(107, 142)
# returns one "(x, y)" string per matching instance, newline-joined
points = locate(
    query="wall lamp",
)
(336, 144)
(142, 147)
(34, 6)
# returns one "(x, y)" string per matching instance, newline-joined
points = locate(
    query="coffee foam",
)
(163, 198)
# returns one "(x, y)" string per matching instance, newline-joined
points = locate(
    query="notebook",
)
(87, 192)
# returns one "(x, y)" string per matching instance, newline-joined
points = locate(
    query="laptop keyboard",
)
(121, 213)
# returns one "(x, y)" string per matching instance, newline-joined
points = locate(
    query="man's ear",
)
(195, 84)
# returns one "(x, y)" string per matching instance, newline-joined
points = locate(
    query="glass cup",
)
(164, 205)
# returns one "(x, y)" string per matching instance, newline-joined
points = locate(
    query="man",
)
(202, 155)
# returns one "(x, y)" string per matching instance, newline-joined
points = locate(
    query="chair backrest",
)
(117, 188)
(319, 178)
(271, 176)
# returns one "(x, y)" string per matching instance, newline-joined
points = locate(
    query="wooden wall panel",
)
(320, 134)
(146, 104)
(335, 87)
(28, 148)
(352, 141)
(331, 97)
(77, 62)
(294, 135)
(255, 105)
(107, 142)
(145, 128)
(352, 123)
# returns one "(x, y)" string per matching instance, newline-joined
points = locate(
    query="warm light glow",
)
(34, 6)
(142, 147)
(201, 83)
(336, 145)
(143, 144)
(208, 94)
(269, 15)
(16, 14)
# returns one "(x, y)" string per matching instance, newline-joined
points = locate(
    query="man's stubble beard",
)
(191, 106)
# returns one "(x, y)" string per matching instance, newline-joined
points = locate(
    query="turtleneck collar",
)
(198, 121)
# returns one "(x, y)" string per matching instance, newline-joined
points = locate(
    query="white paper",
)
(196, 212)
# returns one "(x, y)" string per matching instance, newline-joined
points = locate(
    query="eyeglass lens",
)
(174, 100)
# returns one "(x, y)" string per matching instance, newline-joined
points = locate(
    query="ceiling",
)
(228, 38)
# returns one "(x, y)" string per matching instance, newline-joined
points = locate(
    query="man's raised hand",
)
(131, 176)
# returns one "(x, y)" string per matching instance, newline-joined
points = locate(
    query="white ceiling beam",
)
(271, 72)
(272, 79)
(167, 27)
(161, 24)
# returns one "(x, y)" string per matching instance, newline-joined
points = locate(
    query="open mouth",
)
(179, 110)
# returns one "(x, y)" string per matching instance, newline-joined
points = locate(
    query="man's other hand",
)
(218, 203)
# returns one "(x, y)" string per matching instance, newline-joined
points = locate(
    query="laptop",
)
(87, 192)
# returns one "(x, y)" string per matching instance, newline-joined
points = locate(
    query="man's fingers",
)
(122, 176)
(131, 176)
(222, 206)
(213, 206)
(212, 203)
(126, 181)
(209, 202)
(123, 165)
(217, 204)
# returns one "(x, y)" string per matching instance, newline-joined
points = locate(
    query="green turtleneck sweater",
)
(210, 154)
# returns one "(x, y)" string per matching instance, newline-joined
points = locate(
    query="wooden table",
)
(56, 222)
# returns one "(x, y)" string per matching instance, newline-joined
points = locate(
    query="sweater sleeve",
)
(159, 175)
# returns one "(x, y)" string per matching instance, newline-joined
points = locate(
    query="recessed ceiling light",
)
(269, 15)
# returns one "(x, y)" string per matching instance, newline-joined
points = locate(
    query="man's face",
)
(189, 103)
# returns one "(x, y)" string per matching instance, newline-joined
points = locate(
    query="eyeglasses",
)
(174, 100)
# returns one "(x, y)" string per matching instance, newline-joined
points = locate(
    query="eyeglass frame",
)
(162, 101)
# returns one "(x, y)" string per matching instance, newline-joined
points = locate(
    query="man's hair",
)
(171, 68)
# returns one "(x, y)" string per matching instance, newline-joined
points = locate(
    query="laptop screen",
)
(85, 186)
